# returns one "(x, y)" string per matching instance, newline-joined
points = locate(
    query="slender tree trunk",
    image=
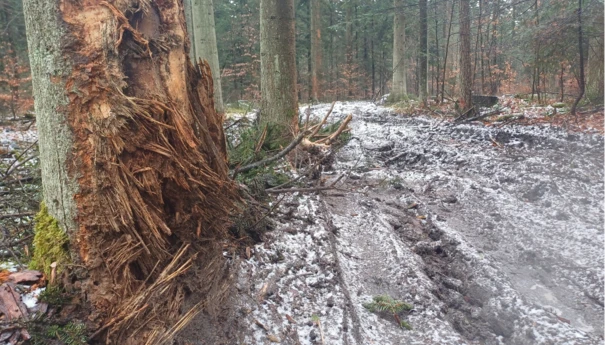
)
(437, 63)
(562, 82)
(424, 54)
(399, 90)
(349, 45)
(465, 56)
(595, 74)
(581, 80)
(200, 23)
(133, 161)
(493, 54)
(279, 104)
(316, 51)
(478, 48)
(447, 49)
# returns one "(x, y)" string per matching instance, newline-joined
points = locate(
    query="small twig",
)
(321, 332)
(235, 122)
(261, 140)
(15, 215)
(308, 113)
(391, 160)
(16, 243)
(8, 169)
(16, 166)
(268, 213)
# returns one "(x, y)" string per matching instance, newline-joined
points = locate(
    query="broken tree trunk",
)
(202, 36)
(133, 161)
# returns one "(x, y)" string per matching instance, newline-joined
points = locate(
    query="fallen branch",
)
(272, 159)
(305, 173)
(482, 116)
(304, 190)
(464, 114)
(323, 121)
(335, 135)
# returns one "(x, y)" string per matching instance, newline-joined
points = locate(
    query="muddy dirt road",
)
(495, 236)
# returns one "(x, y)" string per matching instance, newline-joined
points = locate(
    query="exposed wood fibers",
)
(150, 163)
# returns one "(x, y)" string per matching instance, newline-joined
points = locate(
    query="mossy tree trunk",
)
(202, 34)
(279, 101)
(399, 89)
(133, 159)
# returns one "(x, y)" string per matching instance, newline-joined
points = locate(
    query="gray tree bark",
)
(202, 34)
(279, 101)
(133, 160)
(399, 89)
(424, 54)
(466, 72)
(316, 51)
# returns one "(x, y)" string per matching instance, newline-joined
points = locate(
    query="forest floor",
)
(494, 234)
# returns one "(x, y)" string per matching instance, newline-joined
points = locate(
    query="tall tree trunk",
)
(447, 49)
(466, 71)
(349, 44)
(279, 104)
(133, 160)
(478, 48)
(316, 51)
(595, 73)
(437, 63)
(399, 90)
(581, 80)
(424, 54)
(562, 83)
(202, 35)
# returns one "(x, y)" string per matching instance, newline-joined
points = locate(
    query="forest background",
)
(518, 47)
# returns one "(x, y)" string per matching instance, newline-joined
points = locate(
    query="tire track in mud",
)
(471, 173)
(350, 307)
(456, 255)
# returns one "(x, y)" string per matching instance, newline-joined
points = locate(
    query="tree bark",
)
(424, 54)
(316, 51)
(279, 102)
(399, 89)
(465, 56)
(447, 49)
(202, 35)
(133, 160)
(581, 79)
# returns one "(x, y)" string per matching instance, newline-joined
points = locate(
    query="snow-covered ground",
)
(495, 236)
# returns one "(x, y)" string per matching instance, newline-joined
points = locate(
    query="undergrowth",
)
(389, 305)
(72, 333)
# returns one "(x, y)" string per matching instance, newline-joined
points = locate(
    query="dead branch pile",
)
(304, 139)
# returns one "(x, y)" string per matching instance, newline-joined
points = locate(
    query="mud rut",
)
(494, 235)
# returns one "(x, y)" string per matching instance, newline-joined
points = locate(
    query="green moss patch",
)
(51, 243)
